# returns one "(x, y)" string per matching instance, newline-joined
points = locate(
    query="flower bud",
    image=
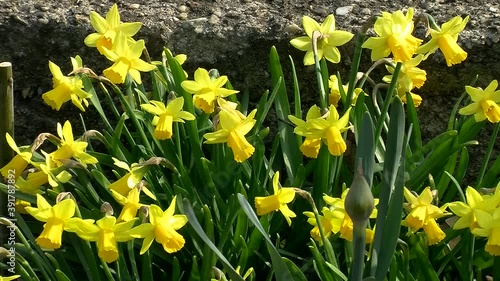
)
(359, 201)
(107, 209)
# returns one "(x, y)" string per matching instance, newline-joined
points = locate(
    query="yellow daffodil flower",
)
(108, 28)
(162, 227)
(232, 128)
(489, 226)
(130, 204)
(126, 60)
(9, 278)
(329, 221)
(18, 164)
(485, 103)
(106, 232)
(475, 201)
(327, 43)
(278, 201)
(395, 36)
(410, 77)
(329, 129)
(445, 38)
(57, 219)
(334, 96)
(66, 88)
(71, 148)
(342, 222)
(126, 183)
(47, 172)
(422, 214)
(310, 147)
(206, 90)
(166, 115)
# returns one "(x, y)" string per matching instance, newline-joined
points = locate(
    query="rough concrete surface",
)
(232, 36)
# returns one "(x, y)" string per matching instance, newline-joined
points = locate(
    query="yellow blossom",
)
(445, 38)
(327, 128)
(342, 222)
(395, 36)
(422, 214)
(162, 227)
(333, 84)
(13, 169)
(410, 77)
(9, 278)
(206, 90)
(106, 232)
(485, 103)
(278, 201)
(126, 183)
(310, 147)
(130, 204)
(126, 60)
(327, 43)
(329, 221)
(108, 28)
(57, 219)
(489, 226)
(48, 172)
(66, 88)
(166, 115)
(232, 128)
(475, 201)
(71, 148)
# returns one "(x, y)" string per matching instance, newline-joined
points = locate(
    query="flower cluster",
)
(423, 214)
(322, 128)
(395, 36)
(481, 215)
(335, 219)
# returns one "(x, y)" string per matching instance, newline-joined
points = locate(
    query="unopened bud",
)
(143, 214)
(3, 253)
(63, 195)
(5, 221)
(213, 73)
(107, 209)
(359, 200)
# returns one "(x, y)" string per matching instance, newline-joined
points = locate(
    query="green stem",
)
(387, 102)
(488, 155)
(358, 261)
(322, 94)
(355, 66)
(132, 116)
(107, 272)
(129, 137)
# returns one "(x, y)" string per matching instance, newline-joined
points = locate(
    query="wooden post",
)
(6, 126)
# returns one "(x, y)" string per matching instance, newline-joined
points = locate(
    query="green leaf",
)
(416, 138)
(319, 265)
(297, 274)
(366, 147)
(61, 276)
(193, 221)
(281, 271)
(292, 156)
(296, 91)
(391, 195)
(425, 264)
